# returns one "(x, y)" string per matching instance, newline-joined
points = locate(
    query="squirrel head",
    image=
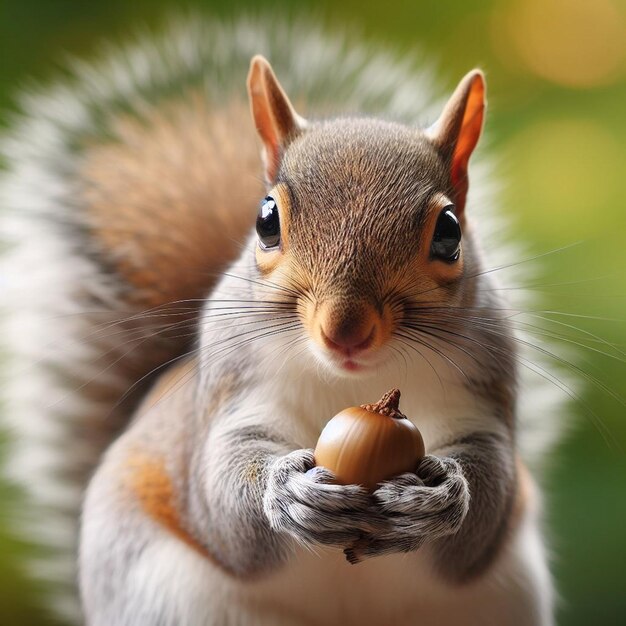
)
(364, 218)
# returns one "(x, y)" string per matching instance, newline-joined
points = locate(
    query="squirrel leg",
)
(135, 569)
(259, 497)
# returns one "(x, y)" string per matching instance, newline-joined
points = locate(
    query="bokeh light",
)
(566, 169)
(575, 43)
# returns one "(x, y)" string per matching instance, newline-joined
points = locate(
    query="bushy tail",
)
(128, 188)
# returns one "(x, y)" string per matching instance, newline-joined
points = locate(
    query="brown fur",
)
(169, 200)
(152, 487)
(145, 468)
(274, 117)
(358, 202)
(172, 197)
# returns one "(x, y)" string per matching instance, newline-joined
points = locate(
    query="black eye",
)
(268, 224)
(446, 243)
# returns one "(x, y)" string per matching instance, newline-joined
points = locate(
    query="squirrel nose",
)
(348, 332)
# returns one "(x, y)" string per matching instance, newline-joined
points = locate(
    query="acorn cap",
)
(388, 405)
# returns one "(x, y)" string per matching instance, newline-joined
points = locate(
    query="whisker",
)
(266, 283)
(596, 338)
(542, 331)
(200, 349)
(188, 376)
(507, 265)
(409, 344)
(602, 428)
(442, 355)
(598, 383)
(149, 332)
(141, 340)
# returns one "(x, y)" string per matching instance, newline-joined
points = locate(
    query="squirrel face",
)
(363, 218)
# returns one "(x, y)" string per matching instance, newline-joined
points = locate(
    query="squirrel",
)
(194, 313)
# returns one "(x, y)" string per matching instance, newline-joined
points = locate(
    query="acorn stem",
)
(388, 405)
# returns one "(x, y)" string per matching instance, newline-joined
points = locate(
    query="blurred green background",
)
(557, 119)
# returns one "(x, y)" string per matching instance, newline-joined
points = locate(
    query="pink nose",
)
(348, 335)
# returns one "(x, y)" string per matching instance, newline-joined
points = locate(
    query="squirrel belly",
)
(145, 481)
(132, 194)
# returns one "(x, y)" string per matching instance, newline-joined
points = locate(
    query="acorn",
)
(368, 444)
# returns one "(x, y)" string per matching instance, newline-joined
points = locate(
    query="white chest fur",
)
(321, 588)
(434, 398)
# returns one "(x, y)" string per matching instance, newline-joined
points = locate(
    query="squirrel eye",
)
(446, 243)
(268, 224)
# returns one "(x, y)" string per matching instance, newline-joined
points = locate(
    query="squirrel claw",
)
(354, 552)
(351, 556)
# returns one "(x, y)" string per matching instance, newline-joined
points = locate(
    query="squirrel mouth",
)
(352, 366)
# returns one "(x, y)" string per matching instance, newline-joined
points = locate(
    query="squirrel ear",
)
(274, 117)
(458, 129)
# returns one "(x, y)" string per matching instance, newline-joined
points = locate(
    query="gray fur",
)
(488, 464)
(228, 482)
(418, 508)
(303, 501)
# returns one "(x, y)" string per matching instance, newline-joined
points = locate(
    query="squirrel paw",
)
(303, 501)
(418, 507)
